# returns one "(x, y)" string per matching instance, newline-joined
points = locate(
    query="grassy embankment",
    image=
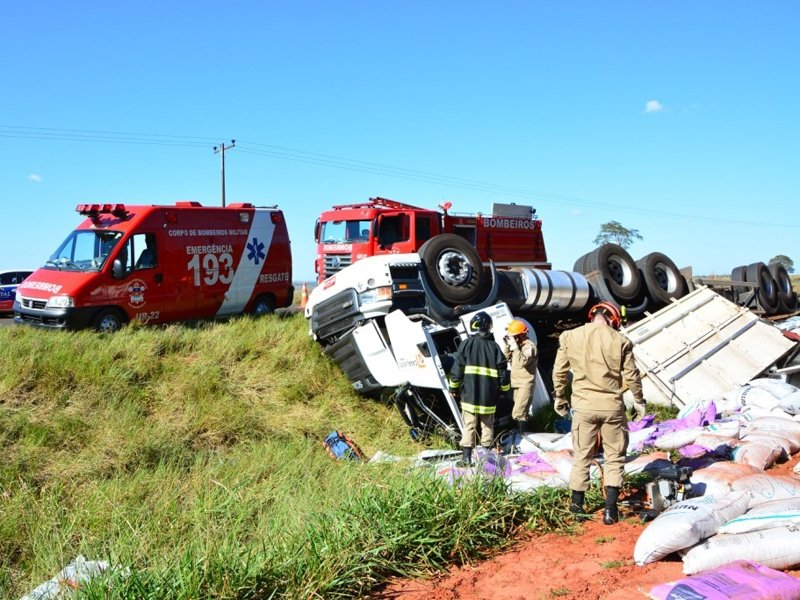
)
(192, 455)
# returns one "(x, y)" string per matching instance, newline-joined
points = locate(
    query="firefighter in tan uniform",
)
(600, 359)
(523, 358)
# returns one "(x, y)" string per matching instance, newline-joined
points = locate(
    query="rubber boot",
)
(611, 513)
(576, 506)
(522, 426)
(466, 457)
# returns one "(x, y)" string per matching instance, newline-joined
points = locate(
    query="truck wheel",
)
(263, 305)
(108, 320)
(617, 267)
(784, 283)
(453, 267)
(662, 278)
(580, 265)
(739, 274)
(767, 290)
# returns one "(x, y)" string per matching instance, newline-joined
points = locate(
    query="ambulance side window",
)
(139, 253)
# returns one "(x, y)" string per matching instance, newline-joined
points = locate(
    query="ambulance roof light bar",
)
(92, 210)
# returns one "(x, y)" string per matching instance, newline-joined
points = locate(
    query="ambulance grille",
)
(33, 304)
(336, 262)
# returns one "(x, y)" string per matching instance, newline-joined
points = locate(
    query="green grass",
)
(612, 564)
(192, 455)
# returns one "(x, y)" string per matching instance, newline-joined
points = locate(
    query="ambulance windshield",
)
(84, 250)
(345, 231)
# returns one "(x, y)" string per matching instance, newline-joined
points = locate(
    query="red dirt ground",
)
(588, 566)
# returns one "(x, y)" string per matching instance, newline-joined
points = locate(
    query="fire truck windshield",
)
(336, 232)
(84, 250)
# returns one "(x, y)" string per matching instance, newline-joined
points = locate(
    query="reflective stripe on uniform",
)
(477, 409)
(505, 388)
(454, 385)
(485, 371)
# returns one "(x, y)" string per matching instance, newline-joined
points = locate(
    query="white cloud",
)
(35, 177)
(654, 106)
(574, 212)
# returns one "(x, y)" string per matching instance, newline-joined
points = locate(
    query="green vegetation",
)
(612, 564)
(614, 232)
(604, 539)
(192, 454)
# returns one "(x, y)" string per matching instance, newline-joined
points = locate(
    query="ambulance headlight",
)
(60, 302)
(375, 295)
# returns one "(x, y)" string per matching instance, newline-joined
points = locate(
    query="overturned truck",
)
(393, 321)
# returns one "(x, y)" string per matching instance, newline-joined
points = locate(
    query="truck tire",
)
(767, 290)
(580, 265)
(262, 305)
(453, 267)
(739, 274)
(617, 267)
(784, 284)
(108, 320)
(662, 278)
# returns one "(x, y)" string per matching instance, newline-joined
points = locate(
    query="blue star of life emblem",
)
(256, 250)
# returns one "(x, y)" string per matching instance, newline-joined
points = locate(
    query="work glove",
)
(561, 407)
(511, 343)
(640, 409)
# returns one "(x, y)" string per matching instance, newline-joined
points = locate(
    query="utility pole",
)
(221, 150)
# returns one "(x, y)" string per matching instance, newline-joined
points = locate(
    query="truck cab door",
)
(137, 282)
(394, 233)
(418, 358)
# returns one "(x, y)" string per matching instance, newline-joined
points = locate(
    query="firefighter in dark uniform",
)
(480, 375)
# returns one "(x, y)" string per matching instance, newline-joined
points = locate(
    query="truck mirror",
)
(316, 231)
(118, 270)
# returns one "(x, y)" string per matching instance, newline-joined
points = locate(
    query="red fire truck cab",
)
(156, 264)
(510, 236)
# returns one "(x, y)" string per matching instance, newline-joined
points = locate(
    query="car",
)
(9, 280)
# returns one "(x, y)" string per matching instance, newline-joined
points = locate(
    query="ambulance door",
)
(138, 279)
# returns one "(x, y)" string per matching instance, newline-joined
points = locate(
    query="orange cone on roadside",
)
(304, 296)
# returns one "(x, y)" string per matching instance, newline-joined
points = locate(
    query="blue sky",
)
(679, 119)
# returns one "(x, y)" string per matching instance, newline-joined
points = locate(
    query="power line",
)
(326, 160)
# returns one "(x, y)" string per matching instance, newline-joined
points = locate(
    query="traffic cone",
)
(304, 296)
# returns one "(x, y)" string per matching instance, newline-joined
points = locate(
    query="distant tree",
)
(785, 261)
(614, 233)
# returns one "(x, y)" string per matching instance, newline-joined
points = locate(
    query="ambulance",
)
(156, 264)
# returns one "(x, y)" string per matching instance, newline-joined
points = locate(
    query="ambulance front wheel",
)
(263, 305)
(108, 320)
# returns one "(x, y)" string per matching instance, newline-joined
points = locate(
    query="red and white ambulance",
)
(156, 264)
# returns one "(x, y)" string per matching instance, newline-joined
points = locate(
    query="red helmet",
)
(517, 327)
(609, 311)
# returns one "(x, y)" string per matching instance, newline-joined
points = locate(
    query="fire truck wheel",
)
(263, 305)
(739, 274)
(453, 268)
(767, 290)
(108, 320)
(662, 278)
(784, 283)
(617, 267)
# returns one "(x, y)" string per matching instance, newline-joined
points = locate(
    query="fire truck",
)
(155, 264)
(458, 246)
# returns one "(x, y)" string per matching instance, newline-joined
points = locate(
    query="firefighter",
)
(479, 375)
(600, 358)
(523, 357)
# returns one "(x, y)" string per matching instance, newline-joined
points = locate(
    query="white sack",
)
(749, 395)
(525, 482)
(791, 403)
(776, 424)
(779, 389)
(719, 444)
(678, 439)
(748, 414)
(757, 454)
(775, 548)
(561, 461)
(766, 488)
(686, 523)
(635, 437)
(717, 479)
(539, 442)
(729, 427)
(647, 462)
(765, 516)
(789, 446)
